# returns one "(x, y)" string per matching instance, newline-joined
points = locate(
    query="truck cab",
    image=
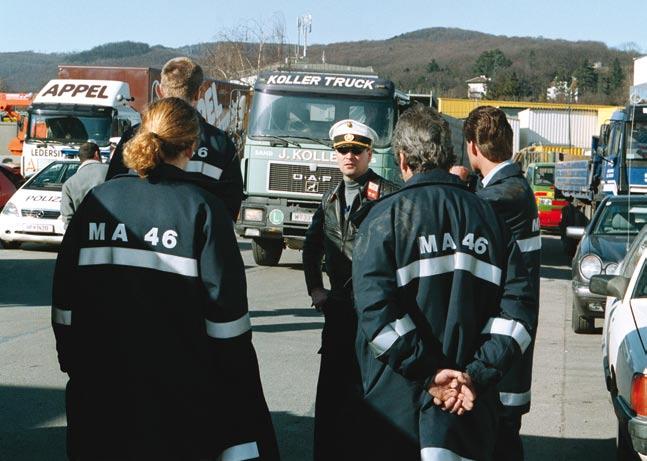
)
(288, 161)
(67, 113)
(541, 177)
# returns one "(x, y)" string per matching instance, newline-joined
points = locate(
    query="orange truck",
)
(12, 133)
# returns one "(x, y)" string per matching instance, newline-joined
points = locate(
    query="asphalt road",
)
(571, 417)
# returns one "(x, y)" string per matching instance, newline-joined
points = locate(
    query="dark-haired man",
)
(91, 173)
(441, 303)
(215, 162)
(489, 145)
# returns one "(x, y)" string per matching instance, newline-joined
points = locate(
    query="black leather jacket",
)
(332, 236)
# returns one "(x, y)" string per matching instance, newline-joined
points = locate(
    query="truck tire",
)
(267, 252)
(580, 323)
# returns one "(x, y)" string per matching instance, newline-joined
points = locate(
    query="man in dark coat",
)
(215, 163)
(332, 234)
(439, 286)
(489, 145)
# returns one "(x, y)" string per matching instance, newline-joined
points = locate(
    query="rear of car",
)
(549, 201)
(32, 214)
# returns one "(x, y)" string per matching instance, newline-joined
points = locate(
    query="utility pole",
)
(304, 25)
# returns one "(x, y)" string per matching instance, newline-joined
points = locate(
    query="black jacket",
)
(438, 283)
(215, 164)
(512, 198)
(332, 236)
(150, 315)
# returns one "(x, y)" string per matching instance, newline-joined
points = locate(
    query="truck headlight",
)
(10, 210)
(590, 265)
(253, 214)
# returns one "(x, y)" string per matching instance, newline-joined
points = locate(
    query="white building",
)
(477, 87)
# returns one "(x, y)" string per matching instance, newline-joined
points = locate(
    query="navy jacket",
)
(511, 197)
(215, 164)
(150, 316)
(438, 283)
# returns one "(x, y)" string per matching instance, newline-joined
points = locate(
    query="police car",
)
(33, 212)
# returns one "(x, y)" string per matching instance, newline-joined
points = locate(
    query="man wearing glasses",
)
(332, 234)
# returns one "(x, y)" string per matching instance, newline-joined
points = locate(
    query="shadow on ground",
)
(539, 448)
(36, 286)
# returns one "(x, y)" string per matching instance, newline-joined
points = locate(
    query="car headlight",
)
(10, 209)
(253, 214)
(611, 269)
(590, 265)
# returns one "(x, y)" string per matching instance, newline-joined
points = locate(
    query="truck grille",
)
(41, 214)
(285, 177)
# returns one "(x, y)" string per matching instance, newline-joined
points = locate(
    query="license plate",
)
(302, 217)
(44, 228)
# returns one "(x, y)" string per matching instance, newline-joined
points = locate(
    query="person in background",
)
(150, 313)
(332, 235)
(215, 161)
(489, 146)
(90, 173)
(442, 305)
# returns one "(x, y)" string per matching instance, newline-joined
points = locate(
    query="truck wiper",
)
(278, 138)
(314, 140)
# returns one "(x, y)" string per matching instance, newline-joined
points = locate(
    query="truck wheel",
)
(579, 323)
(267, 252)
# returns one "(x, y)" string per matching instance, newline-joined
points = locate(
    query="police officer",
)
(215, 162)
(489, 145)
(439, 285)
(332, 235)
(150, 313)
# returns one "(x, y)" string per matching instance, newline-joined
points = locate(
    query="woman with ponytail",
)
(150, 313)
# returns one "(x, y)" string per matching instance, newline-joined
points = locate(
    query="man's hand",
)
(319, 297)
(460, 171)
(453, 390)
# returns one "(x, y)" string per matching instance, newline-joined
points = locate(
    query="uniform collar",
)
(87, 162)
(435, 176)
(488, 178)
(362, 180)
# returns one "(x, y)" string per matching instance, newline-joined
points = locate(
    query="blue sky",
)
(76, 25)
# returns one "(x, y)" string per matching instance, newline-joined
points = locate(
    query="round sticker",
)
(276, 217)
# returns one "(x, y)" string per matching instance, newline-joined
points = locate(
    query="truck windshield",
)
(636, 140)
(544, 176)
(309, 116)
(70, 128)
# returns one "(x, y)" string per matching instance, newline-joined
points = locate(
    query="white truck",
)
(66, 113)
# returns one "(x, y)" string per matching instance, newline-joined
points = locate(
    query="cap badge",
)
(349, 124)
(348, 137)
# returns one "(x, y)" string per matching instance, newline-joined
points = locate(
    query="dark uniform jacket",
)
(438, 283)
(511, 197)
(150, 316)
(215, 164)
(332, 236)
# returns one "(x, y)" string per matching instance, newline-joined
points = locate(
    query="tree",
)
(433, 66)
(587, 77)
(489, 62)
(617, 76)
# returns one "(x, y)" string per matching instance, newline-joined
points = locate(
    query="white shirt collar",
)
(493, 171)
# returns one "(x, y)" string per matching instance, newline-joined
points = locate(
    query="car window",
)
(69, 171)
(641, 285)
(621, 218)
(53, 176)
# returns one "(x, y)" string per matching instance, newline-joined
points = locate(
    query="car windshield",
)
(311, 116)
(621, 218)
(67, 128)
(544, 176)
(641, 285)
(52, 176)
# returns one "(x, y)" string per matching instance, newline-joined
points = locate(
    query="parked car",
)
(10, 181)
(624, 356)
(541, 177)
(32, 213)
(604, 242)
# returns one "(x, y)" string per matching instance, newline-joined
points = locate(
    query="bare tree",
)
(247, 48)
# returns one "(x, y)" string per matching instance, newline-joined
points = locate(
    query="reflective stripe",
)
(510, 399)
(440, 454)
(507, 327)
(62, 317)
(240, 452)
(139, 258)
(225, 330)
(198, 166)
(390, 334)
(530, 244)
(445, 264)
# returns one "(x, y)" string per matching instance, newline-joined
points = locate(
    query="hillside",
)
(434, 59)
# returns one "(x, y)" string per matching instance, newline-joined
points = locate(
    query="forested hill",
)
(434, 59)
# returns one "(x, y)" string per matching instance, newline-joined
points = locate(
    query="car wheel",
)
(10, 245)
(624, 449)
(580, 323)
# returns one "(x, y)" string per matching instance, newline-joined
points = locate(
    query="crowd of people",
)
(430, 318)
